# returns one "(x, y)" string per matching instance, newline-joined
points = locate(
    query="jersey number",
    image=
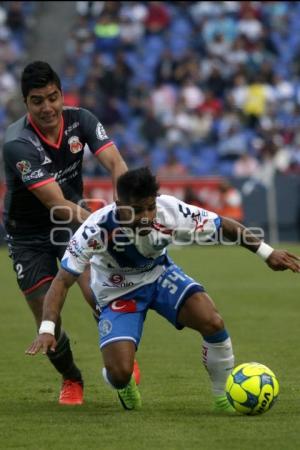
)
(88, 232)
(19, 269)
(187, 211)
(168, 282)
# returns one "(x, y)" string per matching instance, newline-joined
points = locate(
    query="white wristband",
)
(47, 326)
(264, 251)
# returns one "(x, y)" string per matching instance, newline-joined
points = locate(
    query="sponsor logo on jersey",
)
(23, 166)
(119, 280)
(69, 171)
(35, 175)
(116, 278)
(100, 132)
(74, 248)
(75, 144)
(71, 128)
(105, 327)
(123, 306)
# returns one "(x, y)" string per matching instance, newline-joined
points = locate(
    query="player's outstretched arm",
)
(276, 259)
(112, 160)
(53, 304)
(53, 198)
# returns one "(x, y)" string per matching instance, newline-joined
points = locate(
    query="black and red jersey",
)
(30, 161)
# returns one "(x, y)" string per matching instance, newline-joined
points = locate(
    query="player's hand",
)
(283, 260)
(45, 342)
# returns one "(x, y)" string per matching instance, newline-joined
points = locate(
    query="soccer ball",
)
(252, 388)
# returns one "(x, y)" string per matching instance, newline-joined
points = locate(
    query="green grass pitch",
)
(261, 312)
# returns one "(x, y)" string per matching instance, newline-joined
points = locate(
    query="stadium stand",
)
(17, 20)
(188, 88)
(213, 86)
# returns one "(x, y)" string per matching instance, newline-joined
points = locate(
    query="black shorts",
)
(35, 258)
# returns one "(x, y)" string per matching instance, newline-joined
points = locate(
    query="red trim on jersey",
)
(103, 148)
(161, 228)
(40, 183)
(40, 134)
(199, 226)
(38, 284)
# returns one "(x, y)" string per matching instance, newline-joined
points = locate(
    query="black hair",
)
(137, 184)
(38, 74)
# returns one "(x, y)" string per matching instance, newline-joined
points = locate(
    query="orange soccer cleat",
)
(136, 372)
(71, 393)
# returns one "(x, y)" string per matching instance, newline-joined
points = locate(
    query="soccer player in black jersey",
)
(43, 154)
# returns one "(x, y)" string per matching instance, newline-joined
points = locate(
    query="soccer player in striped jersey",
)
(131, 272)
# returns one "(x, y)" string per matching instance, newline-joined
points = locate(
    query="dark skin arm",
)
(278, 260)
(53, 305)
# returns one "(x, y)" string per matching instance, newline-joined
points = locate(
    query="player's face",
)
(139, 214)
(45, 107)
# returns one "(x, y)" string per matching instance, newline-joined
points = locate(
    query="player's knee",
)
(214, 324)
(120, 373)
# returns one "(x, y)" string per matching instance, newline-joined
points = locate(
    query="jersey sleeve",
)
(87, 241)
(94, 132)
(24, 161)
(189, 221)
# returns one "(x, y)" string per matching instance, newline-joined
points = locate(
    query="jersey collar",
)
(40, 134)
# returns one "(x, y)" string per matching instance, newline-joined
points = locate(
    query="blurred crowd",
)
(17, 22)
(191, 88)
(188, 88)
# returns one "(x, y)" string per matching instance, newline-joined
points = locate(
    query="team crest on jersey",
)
(23, 166)
(75, 144)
